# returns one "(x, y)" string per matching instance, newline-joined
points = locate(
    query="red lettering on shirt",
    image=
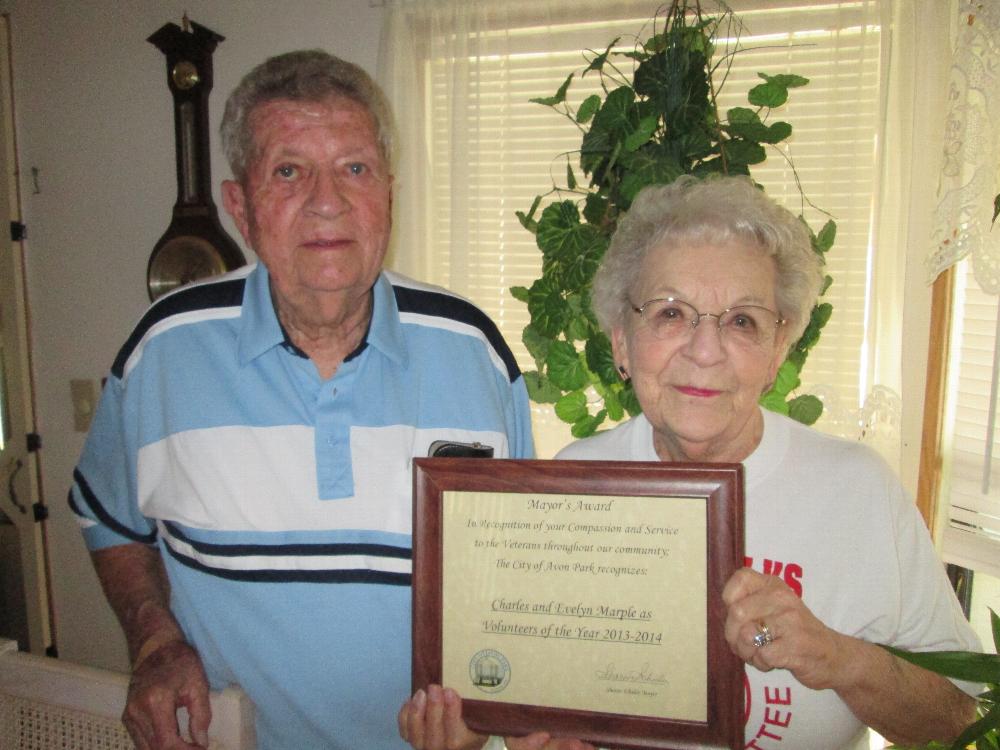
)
(790, 573)
(776, 699)
(775, 717)
(767, 735)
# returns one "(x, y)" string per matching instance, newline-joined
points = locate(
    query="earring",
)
(623, 373)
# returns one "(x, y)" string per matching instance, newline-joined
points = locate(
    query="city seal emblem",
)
(489, 671)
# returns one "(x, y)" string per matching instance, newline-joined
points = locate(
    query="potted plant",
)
(984, 733)
(656, 120)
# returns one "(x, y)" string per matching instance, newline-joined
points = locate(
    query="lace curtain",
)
(970, 177)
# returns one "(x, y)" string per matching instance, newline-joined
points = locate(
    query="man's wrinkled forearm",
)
(136, 586)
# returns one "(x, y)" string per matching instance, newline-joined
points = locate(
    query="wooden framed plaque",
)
(582, 598)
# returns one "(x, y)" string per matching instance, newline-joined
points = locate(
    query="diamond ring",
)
(764, 636)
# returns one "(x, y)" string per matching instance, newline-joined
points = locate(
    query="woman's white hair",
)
(714, 210)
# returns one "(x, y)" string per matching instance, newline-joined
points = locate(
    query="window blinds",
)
(490, 151)
(972, 478)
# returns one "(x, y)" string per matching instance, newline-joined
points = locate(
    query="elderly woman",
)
(705, 287)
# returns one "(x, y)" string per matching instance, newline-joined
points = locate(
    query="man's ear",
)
(234, 200)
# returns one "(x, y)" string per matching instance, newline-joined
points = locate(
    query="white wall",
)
(94, 117)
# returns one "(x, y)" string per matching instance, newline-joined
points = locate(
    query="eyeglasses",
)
(751, 325)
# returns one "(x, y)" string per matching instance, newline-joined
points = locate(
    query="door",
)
(24, 600)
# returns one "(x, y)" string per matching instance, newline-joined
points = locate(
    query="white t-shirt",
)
(829, 518)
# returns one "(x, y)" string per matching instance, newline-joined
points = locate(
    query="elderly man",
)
(245, 489)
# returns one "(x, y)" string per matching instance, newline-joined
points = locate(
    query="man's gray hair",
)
(714, 210)
(307, 76)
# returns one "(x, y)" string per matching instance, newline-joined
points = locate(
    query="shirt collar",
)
(385, 334)
(261, 331)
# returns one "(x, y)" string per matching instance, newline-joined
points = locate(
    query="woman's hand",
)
(432, 720)
(801, 643)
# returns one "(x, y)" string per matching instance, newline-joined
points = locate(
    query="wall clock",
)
(195, 245)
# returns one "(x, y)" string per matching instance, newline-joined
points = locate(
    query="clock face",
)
(181, 260)
(185, 75)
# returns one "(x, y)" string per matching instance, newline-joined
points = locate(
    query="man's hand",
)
(168, 678)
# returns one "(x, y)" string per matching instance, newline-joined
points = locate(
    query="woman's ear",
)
(619, 349)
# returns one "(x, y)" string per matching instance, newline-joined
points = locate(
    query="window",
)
(970, 444)
(465, 72)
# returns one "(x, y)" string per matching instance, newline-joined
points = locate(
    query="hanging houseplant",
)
(656, 120)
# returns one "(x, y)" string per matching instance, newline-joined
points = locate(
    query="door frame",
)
(20, 478)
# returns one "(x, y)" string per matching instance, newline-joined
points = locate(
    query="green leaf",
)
(520, 293)
(559, 97)
(571, 250)
(770, 94)
(642, 134)
(805, 409)
(547, 307)
(612, 123)
(996, 208)
(774, 91)
(644, 168)
(960, 665)
(537, 345)
(530, 224)
(579, 327)
(613, 404)
(598, 62)
(540, 388)
(976, 730)
(595, 209)
(600, 358)
(558, 227)
(588, 108)
(564, 366)
(774, 401)
(788, 80)
(587, 426)
(777, 132)
(787, 378)
(629, 401)
(746, 123)
(570, 177)
(528, 219)
(826, 237)
(818, 318)
(740, 152)
(572, 407)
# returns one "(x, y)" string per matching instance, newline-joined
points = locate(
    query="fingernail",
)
(420, 698)
(434, 693)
